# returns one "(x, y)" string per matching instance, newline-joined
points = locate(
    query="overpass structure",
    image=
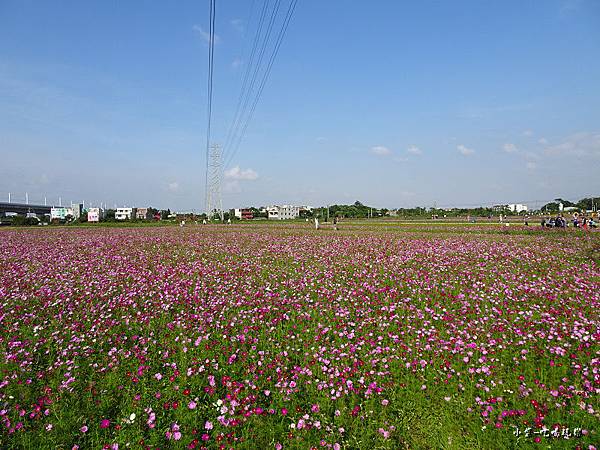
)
(23, 208)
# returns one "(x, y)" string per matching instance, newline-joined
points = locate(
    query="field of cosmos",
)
(277, 336)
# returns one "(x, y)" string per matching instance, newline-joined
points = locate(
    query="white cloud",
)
(205, 35)
(532, 156)
(582, 144)
(380, 150)
(414, 150)
(173, 186)
(531, 165)
(510, 148)
(528, 133)
(543, 141)
(238, 24)
(464, 150)
(237, 62)
(400, 159)
(232, 187)
(235, 173)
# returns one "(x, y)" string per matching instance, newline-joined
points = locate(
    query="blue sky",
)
(395, 104)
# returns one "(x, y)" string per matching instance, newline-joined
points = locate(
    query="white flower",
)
(132, 417)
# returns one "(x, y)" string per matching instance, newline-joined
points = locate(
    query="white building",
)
(125, 213)
(284, 212)
(143, 214)
(60, 213)
(95, 214)
(77, 210)
(273, 212)
(517, 207)
(513, 207)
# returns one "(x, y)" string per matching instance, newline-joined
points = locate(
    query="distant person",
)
(204, 221)
(316, 223)
(335, 227)
(228, 221)
(182, 224)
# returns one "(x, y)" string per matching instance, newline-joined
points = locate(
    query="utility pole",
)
(26, 198)
(59, 201)
(9, 197)
(45, 203)
(214, 201)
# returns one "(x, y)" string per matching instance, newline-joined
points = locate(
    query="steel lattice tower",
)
(214, 204)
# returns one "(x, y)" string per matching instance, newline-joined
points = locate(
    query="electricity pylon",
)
(214, 204)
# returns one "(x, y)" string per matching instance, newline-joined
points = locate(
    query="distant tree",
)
(83, 217)
(18, 221)
(566, 203)
(164, 214)
(589, 203)
(22, 221)
(550, 207)
(109, 215)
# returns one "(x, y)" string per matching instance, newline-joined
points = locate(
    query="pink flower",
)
(384, 433)
(314, 408)
(105, 423)
(205, 437)
(208, 425)
(192, 405)
(284, 411)
(84, 429)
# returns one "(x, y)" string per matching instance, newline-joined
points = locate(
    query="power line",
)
(278, 42)
(249, 66)
(211, 47)
(248, 93)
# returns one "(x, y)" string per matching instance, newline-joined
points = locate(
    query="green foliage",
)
(22, 221)
(109, 215)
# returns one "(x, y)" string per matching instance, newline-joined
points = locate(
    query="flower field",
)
(250, 336)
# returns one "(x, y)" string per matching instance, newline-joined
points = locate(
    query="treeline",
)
(585, 204)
